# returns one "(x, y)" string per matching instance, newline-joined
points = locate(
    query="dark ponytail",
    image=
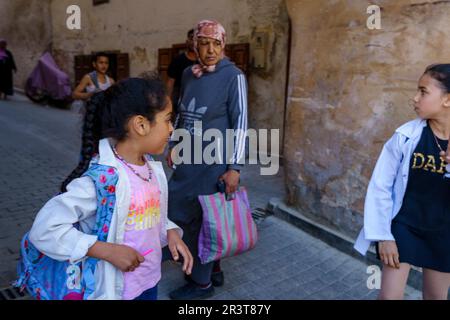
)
(108, 112)
(441, 73)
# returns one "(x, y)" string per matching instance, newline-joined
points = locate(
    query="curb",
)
(333, 238)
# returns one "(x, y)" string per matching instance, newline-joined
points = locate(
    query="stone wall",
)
(141, 27)
(349, 88)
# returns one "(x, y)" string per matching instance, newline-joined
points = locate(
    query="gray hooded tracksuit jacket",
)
(219, 100)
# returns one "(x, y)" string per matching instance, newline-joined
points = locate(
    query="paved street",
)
(38, 149)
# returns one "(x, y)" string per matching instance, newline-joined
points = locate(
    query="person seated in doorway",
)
(96, 80)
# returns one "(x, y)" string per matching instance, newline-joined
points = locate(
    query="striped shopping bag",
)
(228, 228)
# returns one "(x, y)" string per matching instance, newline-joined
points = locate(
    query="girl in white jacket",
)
(407, 207)
(122, 125)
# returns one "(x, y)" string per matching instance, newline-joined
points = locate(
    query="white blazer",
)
(387, 186)
(53, 233)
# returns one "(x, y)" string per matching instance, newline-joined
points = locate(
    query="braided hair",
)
(108, 112)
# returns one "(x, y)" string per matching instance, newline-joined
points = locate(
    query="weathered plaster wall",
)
(349, 89)
(141, 27)
(26, 25)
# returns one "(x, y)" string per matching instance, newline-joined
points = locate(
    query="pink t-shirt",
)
(142, 232)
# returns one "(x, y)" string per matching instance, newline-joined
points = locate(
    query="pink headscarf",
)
(207, 29)
(3, 53)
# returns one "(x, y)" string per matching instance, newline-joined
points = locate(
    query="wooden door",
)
(164, 59)
(123, 66)
(178, 49)
(239, 54)
(83, 65)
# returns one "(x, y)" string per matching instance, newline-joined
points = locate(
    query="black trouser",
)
(201, 273)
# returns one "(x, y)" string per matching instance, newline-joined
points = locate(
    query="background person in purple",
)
(7, 66)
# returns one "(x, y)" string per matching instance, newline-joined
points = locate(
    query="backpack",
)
(49, 279)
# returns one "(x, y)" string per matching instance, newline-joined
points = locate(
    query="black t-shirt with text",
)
(426, 204)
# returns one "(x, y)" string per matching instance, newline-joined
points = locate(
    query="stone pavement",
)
(38, 149)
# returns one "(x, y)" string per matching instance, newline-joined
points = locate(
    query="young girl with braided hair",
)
(122, 126)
